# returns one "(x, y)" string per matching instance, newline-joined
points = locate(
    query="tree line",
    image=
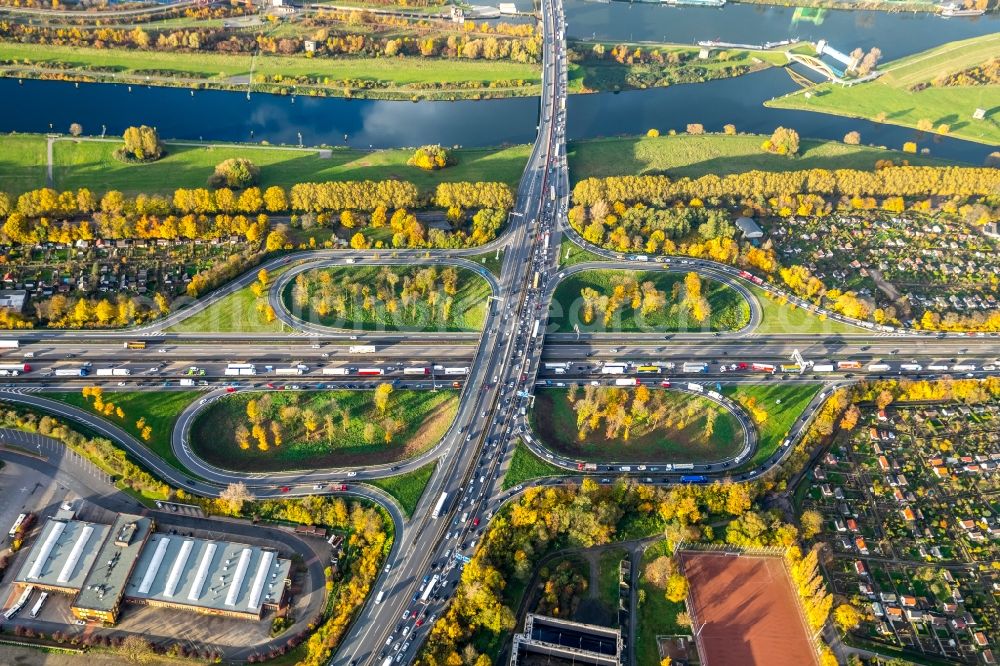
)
(905, 181)
(498, 46)
(366, 195)
(198, 214)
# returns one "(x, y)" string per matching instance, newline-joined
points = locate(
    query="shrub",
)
(852, 138)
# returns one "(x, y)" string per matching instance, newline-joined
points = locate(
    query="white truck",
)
(697, 388)
(113, 372)
(361, 349)
(240, 370)
(336, 371)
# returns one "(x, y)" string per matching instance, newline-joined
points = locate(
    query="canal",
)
(40, 106)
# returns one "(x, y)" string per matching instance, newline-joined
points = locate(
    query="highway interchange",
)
(504, 364)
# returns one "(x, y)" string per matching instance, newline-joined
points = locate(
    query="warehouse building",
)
(62, 556)
(212, 577)
(104, 566)
(102, 593)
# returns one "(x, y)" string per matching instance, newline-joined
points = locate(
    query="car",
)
(230, 389)
(352, 474)
(285, 489)
(406, 632)
(269, 385)
(388, 641)
(406, 614)
(419, 622)
(79, 623)
(317, 486)
(387, 568)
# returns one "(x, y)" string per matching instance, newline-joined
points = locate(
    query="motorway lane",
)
(508, 348)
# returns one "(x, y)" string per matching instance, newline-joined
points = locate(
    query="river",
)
(40, 106)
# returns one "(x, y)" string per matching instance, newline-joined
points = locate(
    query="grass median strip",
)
(526, 466)
(407, 488)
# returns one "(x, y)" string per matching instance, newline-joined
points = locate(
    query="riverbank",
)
(891, 6)
(649, 65)
(89, 162)
(405, 78)
(906, 95)
(601, 66)
(692, 156)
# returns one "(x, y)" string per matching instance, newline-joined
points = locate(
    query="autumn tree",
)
(234, 496)
(850, 418)
(135, 649)
(141, 144)
(658, 572)
(810, 523)
(677, 588)
(381, 396)
(783, 141)
(236, 173)
(847, 617)
(430, 158)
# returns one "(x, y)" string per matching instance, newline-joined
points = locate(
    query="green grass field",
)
(22, 162)
(571, 254)
(657, 615)
(682, 440)
(691, 156)
(607, 590)
(526, 466)
(89, 163)
(424, 416)
(890, 94)
(406, 488)
(467, 312)
(784, 402)
(159, 408)
(730, 311)
(784, 317)
(405, 74)
(491, 261)
(234, 313)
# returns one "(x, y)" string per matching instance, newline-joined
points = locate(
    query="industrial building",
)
(549, 640)
(213, 577)
(102, 566)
